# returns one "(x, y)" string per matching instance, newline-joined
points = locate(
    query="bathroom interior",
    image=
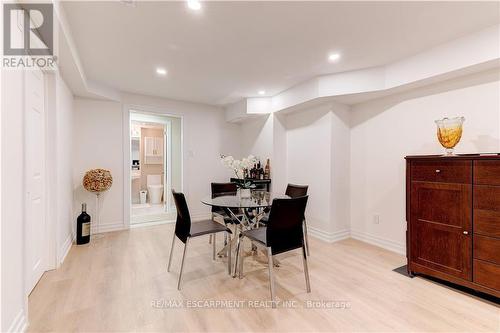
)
(155, 166)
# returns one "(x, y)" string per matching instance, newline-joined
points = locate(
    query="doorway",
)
(154, 165)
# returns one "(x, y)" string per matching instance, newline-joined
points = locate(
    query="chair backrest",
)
(183, 222)
(284, 229)
(219, 189)
(295, 191)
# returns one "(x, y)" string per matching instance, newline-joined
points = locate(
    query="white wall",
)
(13, 303)
(64, 165)
(340, 173)
(385, 130)
(265, 137)
(318, 151)
(309, 161)
(279, 167)
(99, 143)
(257, 137)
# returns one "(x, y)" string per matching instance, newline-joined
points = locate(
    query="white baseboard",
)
(150, 224)
(64, 250)
(107, 227)
(327, 236)
(19, 324)
(331, 237)
(379, 241)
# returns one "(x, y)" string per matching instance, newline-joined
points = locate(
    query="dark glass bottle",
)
(83, 226)
(267, 170)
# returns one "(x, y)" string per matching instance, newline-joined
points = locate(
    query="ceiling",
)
(230, 50)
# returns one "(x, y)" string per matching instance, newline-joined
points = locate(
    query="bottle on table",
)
(267, 170)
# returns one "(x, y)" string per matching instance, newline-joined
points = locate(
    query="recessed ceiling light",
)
(333, 57)
(161, 71)
(262, 92)
(194, 4)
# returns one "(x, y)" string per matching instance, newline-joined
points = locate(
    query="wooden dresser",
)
(453, 219)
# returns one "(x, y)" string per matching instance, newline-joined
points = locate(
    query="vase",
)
(449, 132)
(244, 193)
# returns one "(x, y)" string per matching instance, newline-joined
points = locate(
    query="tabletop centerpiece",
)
(239, 167)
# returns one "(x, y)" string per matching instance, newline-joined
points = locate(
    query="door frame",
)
(152, 112)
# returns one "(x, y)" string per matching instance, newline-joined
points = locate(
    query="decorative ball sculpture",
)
(97, 180)
(449, 133)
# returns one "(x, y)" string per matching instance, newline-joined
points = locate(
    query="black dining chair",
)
(185, 230)
(283, 233)
(295, 191)
(219, 189)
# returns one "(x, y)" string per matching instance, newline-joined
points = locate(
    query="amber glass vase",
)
(449, 132)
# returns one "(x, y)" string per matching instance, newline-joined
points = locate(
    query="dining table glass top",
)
(257, 199)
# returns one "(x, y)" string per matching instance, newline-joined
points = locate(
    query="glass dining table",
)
(245, 212)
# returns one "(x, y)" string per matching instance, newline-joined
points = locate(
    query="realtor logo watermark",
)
(28, 40)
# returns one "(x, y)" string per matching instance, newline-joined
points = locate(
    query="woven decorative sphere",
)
(97, 180)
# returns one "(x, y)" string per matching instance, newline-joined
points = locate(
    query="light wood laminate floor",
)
(120, 283)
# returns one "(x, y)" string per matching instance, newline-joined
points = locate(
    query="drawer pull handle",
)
(466, 232)
(438, 171)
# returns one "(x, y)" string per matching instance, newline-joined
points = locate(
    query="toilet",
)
(155, 189)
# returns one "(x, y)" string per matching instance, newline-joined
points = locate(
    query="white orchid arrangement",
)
(239, 166)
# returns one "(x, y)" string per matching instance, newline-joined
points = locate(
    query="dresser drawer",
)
(487, 249)
(487, 222)
(486, 274)
(487, 197)
(487, 172)
(442, 171)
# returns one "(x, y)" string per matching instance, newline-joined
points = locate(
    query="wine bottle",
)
(83, 226)
(267, 170)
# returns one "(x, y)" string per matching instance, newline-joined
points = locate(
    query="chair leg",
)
(213, 246)
(242, 258)
(182, 264)
(271, 275)
(210, 237)
(306, 238)
(171, 252)
(229, 256)
(238, 245)
(306, 269)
